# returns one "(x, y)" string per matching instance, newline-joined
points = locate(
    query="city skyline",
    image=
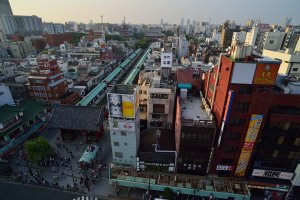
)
(151, 12)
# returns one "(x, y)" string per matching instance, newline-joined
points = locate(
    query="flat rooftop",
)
(166, 140)
(193, 109)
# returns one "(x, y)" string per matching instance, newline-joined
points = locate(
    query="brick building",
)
(58, 39)
(252, 113)
(47, 83)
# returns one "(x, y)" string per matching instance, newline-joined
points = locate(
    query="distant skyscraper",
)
(161, 21)
(5, 8)
(188, 25)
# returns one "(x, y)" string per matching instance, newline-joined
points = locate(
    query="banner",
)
(120, 105)
(265, 74)
(248, 145)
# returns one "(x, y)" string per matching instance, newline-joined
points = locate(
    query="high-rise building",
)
(24, 25)
(256, 113)
(5, 8)
(227, 31)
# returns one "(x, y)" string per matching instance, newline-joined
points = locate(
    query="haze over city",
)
(150, 12)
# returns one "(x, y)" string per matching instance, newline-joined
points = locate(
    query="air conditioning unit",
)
(209, 123)
(201, 123)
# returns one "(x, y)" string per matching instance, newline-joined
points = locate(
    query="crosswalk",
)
(86, 198)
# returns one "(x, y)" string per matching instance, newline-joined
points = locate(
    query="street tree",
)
(38, 149)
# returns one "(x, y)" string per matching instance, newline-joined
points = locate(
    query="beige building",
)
(290, 64)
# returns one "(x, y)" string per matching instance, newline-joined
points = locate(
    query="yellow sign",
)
(128, 109)
(250, 139)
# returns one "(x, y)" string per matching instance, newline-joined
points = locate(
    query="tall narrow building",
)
(5, 8)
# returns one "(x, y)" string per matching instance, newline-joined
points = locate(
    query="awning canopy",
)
(89, 154)
(184, 86)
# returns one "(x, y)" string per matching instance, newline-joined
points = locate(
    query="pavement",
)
(67, 175)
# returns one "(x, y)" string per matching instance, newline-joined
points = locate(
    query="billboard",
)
(243, 73)
(272, 174)
(122, 125)
(265, 74)
(120, 105)
(249, 142)
(228, 105)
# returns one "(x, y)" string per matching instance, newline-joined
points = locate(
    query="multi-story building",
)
(25, 25)
(5, 8)
(247, 109)
(53, 28)
(58, 39)
(227, 31)
(271, 41)
(124, 124)
(238, 38)
(194, 132)
(251, 36)
(291, 37)
(183, 46)
(5, 96)
(47, 83)
(290, 64)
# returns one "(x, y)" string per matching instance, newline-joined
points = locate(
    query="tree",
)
(168, 194)
(143, 43)
(38, 149)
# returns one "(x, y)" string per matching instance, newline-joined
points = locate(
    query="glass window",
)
(116, 144)
(118, 154)
(275, 153)
(123, 133)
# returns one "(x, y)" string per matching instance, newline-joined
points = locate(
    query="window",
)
(234, 136)
(230, 149)
(123, 133)
(155, 116)
(226, 161)
(118, 154)
(158, 108)
(125, 143)
(245, 89)
(280, 140)
(237, 121)
(297, 142)
(145, 92)
(275, 153)
(242, 106)
(294, 155)
(295, 69)
(116, 144)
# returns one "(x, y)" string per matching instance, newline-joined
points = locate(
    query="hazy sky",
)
(151, 11)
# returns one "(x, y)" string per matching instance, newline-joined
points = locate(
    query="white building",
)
(183, 46)
(273, 40)
(290, 64)
(238, 38)
(251, 36)
(5, 96)
(7, 70)
(124, 124)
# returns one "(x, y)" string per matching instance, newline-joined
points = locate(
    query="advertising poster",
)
(243, 162)
(115, 105)
(249, 142)
(128, 106)
(265, 74)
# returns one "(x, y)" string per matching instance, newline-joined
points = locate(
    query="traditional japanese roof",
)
(71, 117)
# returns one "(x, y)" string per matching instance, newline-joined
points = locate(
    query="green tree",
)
(77, 37)
(113, 37)
(143, 43)
(168, 194)
(38, 149)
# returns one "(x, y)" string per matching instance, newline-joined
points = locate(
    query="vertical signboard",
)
(249, 142)
(265, 74)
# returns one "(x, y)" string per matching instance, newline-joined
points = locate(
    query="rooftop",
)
(166, 140)
(193, 109)
(76, 118)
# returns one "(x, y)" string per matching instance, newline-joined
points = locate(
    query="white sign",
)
(122, 125)
(272, 174)
(224, 168)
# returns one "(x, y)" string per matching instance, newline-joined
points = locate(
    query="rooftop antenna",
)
(124, 20)
(102, 23)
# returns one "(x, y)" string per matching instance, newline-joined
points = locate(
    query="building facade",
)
(47, 83)
(227, 32)
(124, 124)
(5, 8)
